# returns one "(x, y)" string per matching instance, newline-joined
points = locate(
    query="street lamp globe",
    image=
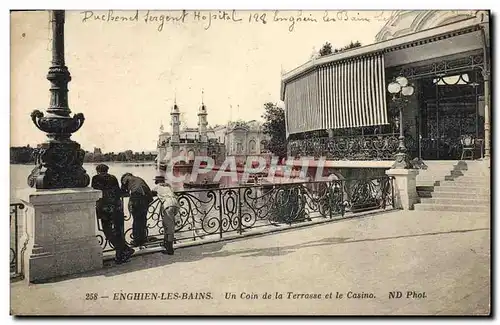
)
(407, 91)
(402, 81)
(394, 87)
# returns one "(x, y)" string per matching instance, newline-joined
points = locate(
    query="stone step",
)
(452, 208)
(465, 195)
(473, 174)
(427, 182)
(425, 188)
(441, 162)
(477, 169)
(455, 201)
(471, 182)
(433, 176)
(430, 179)
(461, 189)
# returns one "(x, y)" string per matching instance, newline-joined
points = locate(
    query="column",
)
(487, 135)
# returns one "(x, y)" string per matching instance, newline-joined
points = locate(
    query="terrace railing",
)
(359, 147)
(216, 213)
(15, 211)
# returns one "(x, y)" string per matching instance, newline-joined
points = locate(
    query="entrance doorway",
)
(451, 109)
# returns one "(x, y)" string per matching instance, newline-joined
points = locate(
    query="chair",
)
(468, 146)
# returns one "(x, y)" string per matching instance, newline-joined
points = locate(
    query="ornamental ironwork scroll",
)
(442, 67)
(359, 147)
(218, 212)
(14, 237)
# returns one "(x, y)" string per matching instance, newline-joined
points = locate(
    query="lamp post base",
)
(59, 165)
(402, 161)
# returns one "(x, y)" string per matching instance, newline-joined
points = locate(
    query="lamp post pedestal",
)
(405, 185)
(402, 160)
(59, 233)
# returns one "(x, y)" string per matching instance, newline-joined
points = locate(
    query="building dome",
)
(406, 22)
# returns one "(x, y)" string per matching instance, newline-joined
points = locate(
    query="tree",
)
(274, 126)
(129, 155)
(326, 49)
(351, 45)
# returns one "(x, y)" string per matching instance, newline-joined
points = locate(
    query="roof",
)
(393, 44)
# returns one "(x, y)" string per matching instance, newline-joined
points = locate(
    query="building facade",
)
(188, 143)
(243, 138)
(239, 139)
(339, 105)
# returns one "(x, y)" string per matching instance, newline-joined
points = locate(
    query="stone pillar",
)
(405, 187)
(60, 233)
(486, 76)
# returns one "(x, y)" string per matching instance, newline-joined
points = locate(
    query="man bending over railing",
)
(169, 207)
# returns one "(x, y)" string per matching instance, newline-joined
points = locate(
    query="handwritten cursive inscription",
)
(222, 15)
(291, 19)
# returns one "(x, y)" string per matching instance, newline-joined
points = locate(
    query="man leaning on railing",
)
(169, 208)
(110, 211)
(138, 205)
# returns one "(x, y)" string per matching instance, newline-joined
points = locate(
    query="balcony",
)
(357, 147)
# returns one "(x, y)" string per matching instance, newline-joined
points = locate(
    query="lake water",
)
(19, 175)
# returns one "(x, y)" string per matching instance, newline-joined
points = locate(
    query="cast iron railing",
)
(359, 147)
(14, 236)
(217, 212)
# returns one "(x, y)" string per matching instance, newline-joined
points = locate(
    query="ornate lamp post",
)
(401, 90)
(59, 159)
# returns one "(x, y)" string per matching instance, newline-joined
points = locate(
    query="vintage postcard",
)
(239, 162)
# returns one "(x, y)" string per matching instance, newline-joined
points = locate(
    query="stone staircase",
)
(456, 186)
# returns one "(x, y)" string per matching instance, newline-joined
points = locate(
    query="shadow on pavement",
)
(214, 250)
(283, 250)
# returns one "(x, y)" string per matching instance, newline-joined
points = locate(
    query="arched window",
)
(239, 147)
(252, 146)
(263, 146)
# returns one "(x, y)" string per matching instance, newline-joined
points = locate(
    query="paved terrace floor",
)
(445, 256)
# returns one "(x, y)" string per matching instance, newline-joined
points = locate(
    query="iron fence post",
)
(342, 206)
(392, 191)
(16, 240)
(194, 226)
(220, 212)
(240, 206)
(383, 190)
(14, 265)
(331, 197)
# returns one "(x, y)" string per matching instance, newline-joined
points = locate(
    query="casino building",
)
(339, 105)
(239, 139)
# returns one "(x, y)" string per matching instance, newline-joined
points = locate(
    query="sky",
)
(127, 73)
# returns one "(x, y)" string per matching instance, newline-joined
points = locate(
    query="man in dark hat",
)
(169, 208)
(109, 210)
(138, 205)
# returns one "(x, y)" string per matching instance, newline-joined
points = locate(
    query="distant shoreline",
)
(100, 162)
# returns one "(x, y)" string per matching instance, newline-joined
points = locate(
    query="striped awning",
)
(338, 95)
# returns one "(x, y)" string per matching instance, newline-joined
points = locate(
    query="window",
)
(452, 80)
(251, 145)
